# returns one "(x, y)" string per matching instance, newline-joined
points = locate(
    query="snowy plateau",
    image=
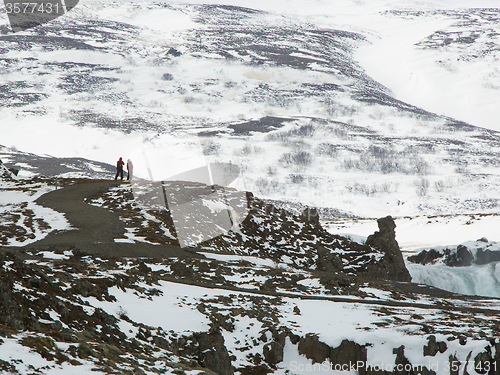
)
(338, 119)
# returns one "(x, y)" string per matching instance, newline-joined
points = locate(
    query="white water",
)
(474, 280)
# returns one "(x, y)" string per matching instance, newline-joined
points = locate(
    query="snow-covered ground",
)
(331, 321)
(172, 309)
(22, 221)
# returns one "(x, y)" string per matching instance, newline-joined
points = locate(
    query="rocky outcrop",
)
(312, 348)
(433, 346)
(213, 353)
(460, 258)
(472, 252)
(486, 256)
(328, 261)
(345, 355)
(385, 240)
(10, 311)
(207, 348)
(310, 215)
(425, 257)
(300, 241)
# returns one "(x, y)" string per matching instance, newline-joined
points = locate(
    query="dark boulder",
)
(349, 353)
(328, 261)
(344, 356)
(312, 348)
(403, 365)
(433, 347)
(273, 352)
(213, 353)
(462, 257)
(425, 257)
(207, 348)
(310, 215)
(484, 362)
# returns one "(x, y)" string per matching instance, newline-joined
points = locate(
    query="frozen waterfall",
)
(480, 280)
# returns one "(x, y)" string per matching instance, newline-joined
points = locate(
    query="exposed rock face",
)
(274, 351)
(385, 240)
(328, 261)
(487, 256)
(312, 348)
(208, 349)
(10, 312)
(213, 353)
(347, 353)
(461, 258)
(425, 257)
(479, 252)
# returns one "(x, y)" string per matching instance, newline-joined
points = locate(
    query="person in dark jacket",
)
(119, 169)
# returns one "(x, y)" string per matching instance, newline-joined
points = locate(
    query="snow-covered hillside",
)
(292, 92)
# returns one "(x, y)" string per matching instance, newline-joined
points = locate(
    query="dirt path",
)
(96, 228)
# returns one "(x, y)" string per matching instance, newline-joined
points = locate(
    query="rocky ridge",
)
(67, 306)
(270, 233)
(477, 252)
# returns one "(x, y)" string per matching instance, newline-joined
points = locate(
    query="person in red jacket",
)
(119, 168)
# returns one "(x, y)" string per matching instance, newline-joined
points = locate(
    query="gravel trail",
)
(95, 228)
